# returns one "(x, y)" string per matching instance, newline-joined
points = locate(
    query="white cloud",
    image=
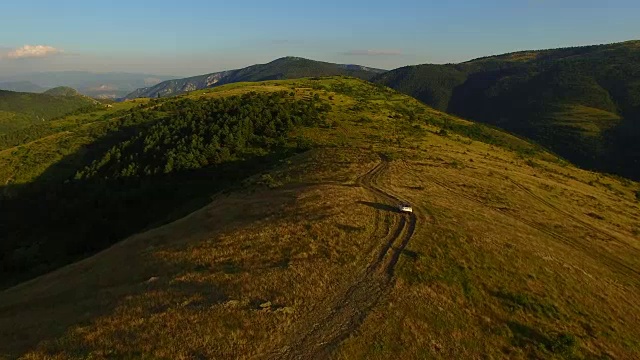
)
(33, 51)
(373, 52)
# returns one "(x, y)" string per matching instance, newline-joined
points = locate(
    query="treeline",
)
(148, 167)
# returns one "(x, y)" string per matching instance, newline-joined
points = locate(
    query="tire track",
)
(600, 257)
(548, 204)
(349, 310)
(407, 220)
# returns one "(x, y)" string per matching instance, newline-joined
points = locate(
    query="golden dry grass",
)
(211, 270)
(513, 257)
(503, 272)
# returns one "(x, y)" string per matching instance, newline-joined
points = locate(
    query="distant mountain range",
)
(283, 68)
(581, 102)
(21, 86)
(98, 85)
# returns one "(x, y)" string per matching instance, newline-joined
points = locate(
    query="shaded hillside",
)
(185, 149)
(284, 68)
(20, 110)
(583, 102)
(509, 253)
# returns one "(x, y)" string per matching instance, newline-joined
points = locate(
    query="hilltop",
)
(277, 235)
(581, 102)
(284, 68)
(62, 91)
(22, 110)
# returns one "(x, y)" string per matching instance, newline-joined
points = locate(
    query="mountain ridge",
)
(288, 67)
(21, 86)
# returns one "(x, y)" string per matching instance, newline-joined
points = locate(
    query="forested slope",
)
(582, 102)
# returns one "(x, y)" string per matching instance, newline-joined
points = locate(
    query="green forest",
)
(184, 149)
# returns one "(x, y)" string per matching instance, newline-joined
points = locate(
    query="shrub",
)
(531, 163)
(303, 144)
(268, 180)
(563, 344)
(638, 195)
(456, 164)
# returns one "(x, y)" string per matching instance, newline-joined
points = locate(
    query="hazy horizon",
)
(176, 40)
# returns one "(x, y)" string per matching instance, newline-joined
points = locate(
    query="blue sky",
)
(194, 37)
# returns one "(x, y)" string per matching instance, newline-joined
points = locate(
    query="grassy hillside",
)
(283, 68)
(583, 102)
(21, 110)
(510, 252)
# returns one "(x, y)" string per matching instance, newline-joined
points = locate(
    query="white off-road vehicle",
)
(404, 207)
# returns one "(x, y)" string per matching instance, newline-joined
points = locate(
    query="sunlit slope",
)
(26, 154)
(509, 253)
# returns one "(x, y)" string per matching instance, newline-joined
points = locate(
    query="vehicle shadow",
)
(378, 206)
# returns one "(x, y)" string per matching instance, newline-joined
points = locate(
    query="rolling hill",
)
(283, 68)
(258, 220)
(22, 110)
(62, 91)
(581, 102)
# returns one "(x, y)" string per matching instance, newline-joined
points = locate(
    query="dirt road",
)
(348, 311)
